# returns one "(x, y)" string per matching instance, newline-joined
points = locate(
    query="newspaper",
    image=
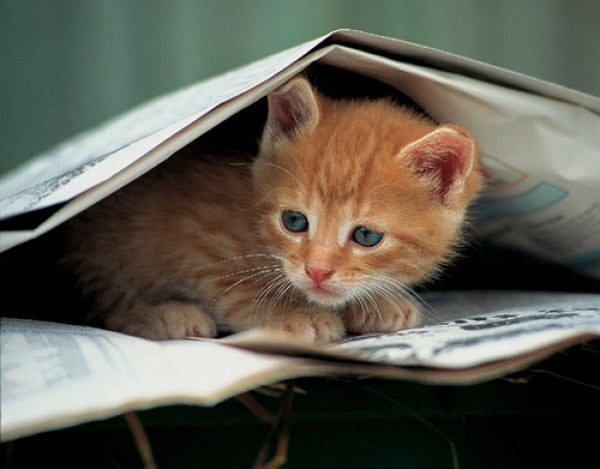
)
(55, 375)
(541, 152)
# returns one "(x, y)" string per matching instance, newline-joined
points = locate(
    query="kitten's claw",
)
(171, 320)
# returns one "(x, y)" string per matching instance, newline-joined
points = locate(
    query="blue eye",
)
(294, 221)
(366, 237)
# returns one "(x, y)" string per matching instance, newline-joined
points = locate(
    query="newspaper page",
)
(56, 375)
(496, 333)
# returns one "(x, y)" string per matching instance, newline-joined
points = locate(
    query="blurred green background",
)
(69, 65)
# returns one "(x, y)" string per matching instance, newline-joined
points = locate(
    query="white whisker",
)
(266, 290)
(288, 172)
(249, 256)
(271, 295)
(300, 167)
(268, 196)
(246, 271)
(398, 292)
(259, 273)
(374, 310)
(278, 295)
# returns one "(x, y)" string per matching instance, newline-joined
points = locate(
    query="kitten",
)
(348, 204)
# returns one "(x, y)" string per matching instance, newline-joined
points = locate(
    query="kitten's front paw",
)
(316, 327)
(387, 318)
(170, 320)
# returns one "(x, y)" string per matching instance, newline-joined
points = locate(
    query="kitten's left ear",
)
(291, 107)
(444, 158)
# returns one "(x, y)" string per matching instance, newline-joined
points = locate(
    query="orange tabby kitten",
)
(348, 204)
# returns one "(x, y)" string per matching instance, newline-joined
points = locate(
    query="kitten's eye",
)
(294, 221)
(366, 237)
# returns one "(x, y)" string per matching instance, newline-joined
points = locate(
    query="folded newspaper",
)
(540, 150)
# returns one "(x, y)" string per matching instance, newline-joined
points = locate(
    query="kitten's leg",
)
(295, 320)
(169, 320)
(387, 317)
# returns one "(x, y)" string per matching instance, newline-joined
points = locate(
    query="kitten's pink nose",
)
(318, 274)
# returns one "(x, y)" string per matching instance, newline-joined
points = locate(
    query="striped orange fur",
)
(203, 242)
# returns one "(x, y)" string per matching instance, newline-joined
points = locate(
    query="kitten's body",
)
(200, 240)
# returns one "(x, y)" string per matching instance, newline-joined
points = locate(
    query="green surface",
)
(544, 417)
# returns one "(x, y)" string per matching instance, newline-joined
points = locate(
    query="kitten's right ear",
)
(291, 107)
(444, 158)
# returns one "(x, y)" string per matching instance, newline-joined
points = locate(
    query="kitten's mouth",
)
(322, 291)
(322, 294)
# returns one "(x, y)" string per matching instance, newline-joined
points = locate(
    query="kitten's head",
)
(359, 197)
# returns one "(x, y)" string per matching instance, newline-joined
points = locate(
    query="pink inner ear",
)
(290, 108)
(445, 158)
(283, 114)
